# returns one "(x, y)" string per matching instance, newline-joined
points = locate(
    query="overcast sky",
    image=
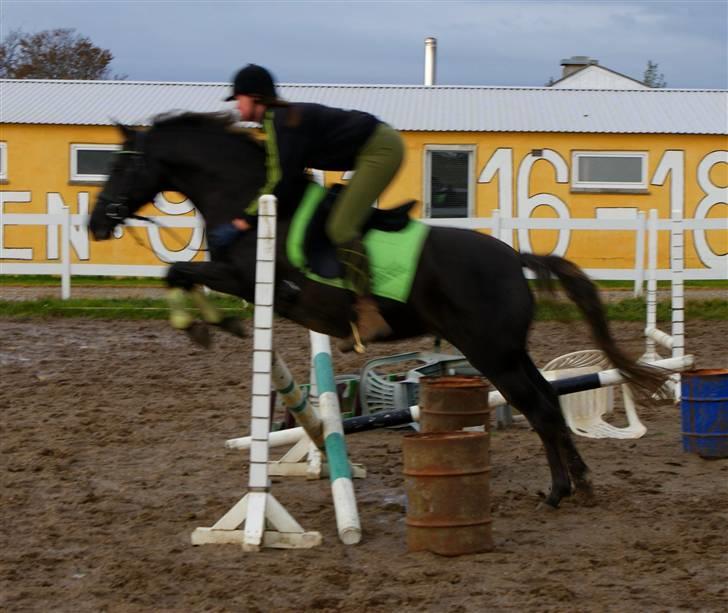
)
(309, 41)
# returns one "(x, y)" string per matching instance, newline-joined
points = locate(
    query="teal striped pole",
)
(342, 486)
(296, 401)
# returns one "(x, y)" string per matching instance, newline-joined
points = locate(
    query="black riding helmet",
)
(253, 80)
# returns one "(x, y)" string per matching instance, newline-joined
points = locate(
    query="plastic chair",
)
(583, 411)
(381, 391)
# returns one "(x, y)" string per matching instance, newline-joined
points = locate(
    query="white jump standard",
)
(675, 341)
(266, 521)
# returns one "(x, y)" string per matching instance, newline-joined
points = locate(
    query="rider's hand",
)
(241, 224)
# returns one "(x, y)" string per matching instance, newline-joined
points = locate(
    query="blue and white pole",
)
(342, 486)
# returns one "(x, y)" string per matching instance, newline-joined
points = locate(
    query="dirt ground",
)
(112, 453)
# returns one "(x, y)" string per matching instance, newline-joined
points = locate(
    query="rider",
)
(302, 136)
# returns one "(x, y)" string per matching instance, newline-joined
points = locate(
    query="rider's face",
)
(250, 108)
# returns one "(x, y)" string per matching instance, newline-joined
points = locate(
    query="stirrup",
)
(351, 342)
(358, 345)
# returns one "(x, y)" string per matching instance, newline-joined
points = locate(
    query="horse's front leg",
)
(212, 315)
(181, 318)
(184, 279)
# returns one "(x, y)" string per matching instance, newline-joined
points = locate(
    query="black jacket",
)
(305, 135)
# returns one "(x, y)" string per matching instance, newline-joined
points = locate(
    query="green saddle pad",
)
(393, 256)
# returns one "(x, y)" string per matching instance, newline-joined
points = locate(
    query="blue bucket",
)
(704, 404)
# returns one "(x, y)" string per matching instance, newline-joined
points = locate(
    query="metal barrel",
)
(447, 486)
(704, 408)
(453, 403)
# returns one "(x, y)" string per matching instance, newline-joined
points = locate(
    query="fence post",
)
(65, 253)
(639, 256)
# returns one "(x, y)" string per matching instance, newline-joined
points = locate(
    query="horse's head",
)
(131, 184)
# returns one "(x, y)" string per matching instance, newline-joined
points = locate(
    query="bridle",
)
(116, 207)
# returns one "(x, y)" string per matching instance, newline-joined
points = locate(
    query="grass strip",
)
(122, 308)
(631, 309)
(80, 281)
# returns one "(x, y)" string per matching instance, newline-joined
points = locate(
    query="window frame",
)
(427, 175)
(88, 178)
(608, 186)
(3, 161)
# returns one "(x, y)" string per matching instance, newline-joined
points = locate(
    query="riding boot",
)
(369, 321)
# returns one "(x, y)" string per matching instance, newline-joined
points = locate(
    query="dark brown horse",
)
(469, 288)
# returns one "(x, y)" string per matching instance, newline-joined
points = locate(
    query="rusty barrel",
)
(447, 487)
(453, 403)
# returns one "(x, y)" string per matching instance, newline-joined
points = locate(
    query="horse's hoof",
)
(233, 325)
(548, 507)
(199, 333)
(550, 502)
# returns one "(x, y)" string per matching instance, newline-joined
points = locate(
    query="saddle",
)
(320, 252)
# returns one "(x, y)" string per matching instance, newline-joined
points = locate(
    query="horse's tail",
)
(582, 291)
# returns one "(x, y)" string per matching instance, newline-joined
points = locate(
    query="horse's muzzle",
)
(106, 216)
(101, 234)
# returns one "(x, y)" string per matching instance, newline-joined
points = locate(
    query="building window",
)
(92, 163)
(609, 171)
(449, 180)
(3, 161)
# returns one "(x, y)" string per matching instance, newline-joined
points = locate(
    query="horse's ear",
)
(126, 131)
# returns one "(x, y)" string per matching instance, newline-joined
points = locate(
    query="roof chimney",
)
(430, 60)
(575, 63)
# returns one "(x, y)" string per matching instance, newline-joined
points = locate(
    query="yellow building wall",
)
(609, 249)
(39, 162)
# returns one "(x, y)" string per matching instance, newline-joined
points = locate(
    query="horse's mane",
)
(219, 121)
(175, 119)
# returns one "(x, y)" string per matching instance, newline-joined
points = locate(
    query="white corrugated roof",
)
(406, 107)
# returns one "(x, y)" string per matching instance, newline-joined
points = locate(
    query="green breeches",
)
(376, 166)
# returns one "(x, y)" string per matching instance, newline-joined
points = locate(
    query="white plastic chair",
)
(583, 411)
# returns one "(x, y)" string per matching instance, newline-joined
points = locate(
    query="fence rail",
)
(497, 225)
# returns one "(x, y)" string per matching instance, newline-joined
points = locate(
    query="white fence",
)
(72, 226)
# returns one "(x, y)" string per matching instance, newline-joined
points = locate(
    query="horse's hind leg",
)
(524, 388)
(578, 469)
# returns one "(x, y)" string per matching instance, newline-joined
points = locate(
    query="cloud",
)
(492, 43)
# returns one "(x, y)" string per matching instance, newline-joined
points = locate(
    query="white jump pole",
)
(267, 523)
(651, 324)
